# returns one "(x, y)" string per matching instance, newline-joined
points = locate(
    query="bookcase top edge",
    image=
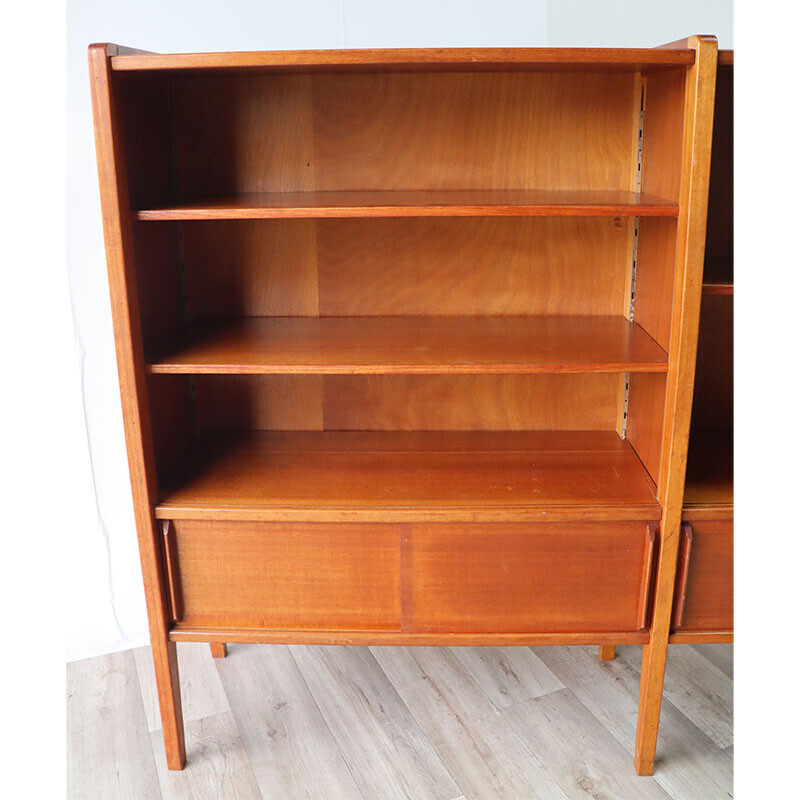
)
(457, 59)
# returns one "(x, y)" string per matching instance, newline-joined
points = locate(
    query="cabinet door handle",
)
(647, 576)
(171, 569)
(683, 576)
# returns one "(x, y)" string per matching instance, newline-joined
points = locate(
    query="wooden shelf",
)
(397, 476)
(272, 205)
(404, 345)
(709, 472)
(718, 288)
(403, 60)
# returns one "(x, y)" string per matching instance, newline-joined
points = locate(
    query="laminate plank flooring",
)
(392, 722)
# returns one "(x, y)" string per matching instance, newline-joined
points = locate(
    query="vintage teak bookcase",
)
(406, 342)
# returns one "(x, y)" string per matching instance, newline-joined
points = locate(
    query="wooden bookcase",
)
(406, 342)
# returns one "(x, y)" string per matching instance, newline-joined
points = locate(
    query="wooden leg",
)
(654, 660)
(606, 652)
(219, 649)
(165, 660)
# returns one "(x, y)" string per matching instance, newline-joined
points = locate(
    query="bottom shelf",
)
(412, 476)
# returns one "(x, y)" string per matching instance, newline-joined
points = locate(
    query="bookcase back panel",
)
(392, 267)
(713, 389)
(718, 267)
(407, 402)
(262, 133)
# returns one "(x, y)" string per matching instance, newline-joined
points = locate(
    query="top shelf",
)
(469, 203)
(500, 59)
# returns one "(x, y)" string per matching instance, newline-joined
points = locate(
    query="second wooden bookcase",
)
(406, 342)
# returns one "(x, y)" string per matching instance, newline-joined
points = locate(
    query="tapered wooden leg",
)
(219, 649)
(654, 661)
(606, 652)
(165, 660)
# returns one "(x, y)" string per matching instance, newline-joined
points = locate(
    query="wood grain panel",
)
(330, 576)
(470, 402)
(540, 577)
(655, 274)
(244, 268)
(407, 345)
(708, 604)
(422, 131)
(248, 133)
(261, 133)
(259, 402)
(646, 419)
(496, 265)
(173, 420)
(663, 133)
(396, 476)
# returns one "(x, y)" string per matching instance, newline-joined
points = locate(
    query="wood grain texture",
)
(690, 765)
(279, 727)
(407, 345)
(290, 747)
(708, 590)
(606, 652)
(426, 59)
(187, 633)
(218, 768)
(430, 203)
(655, 274)
(551, 723)
(395, 476)
(543, 578)
(108, 747)
(698, 107)
(202, 694)
(288, 575)
(646, 419)
(219, 650)
(700, 691)
(467, 402)
(507, 675)
(485, 756)
(404, 402)
(382, 742)
(117, 230)
(536, 265)
(395, 267)
(395, 144)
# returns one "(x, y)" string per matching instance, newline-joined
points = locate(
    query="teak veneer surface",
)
(351, 345)
(412, 476)
(461, 59)
(431, 203)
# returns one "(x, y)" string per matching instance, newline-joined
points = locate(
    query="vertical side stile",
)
(685, 318)
(118, 233)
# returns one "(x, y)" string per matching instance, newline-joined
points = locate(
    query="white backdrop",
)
(105, 609)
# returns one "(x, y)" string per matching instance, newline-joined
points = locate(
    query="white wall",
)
(106, 601)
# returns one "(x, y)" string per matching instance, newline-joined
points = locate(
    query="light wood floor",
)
(382, 723)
